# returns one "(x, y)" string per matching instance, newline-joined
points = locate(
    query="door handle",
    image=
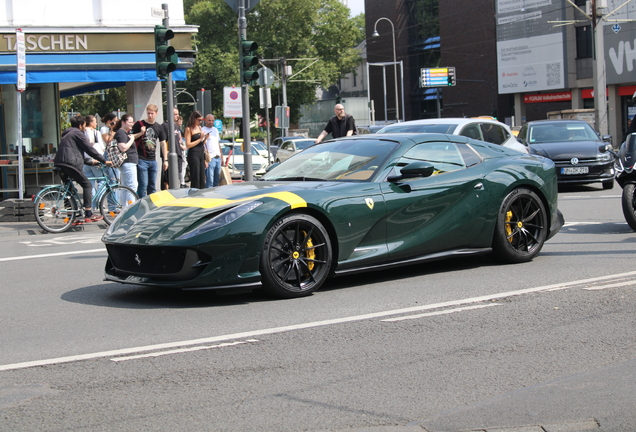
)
(479, 186)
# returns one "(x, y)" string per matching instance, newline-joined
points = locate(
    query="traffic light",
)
(165, 55)
(249, 62)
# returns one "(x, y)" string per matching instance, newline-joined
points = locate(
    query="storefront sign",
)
(91, 42)
(548, 97)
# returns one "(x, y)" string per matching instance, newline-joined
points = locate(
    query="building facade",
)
(72, 48)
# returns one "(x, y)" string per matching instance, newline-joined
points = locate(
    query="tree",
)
(317, 38)
(96, 103)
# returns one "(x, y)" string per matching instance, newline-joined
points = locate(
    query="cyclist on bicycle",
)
(70, 159)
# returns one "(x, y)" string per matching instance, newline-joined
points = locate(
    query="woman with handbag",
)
(125, 141)
(195, 143)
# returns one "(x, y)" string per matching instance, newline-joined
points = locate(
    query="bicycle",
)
(57, 207)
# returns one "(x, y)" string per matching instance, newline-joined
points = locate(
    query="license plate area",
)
(575, 170)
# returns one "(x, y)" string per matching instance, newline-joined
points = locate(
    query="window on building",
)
(584, 42)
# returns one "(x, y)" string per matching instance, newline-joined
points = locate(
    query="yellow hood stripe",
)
(166, 199)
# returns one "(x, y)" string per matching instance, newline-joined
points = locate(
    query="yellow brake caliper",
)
(311, 253)
(508, 228)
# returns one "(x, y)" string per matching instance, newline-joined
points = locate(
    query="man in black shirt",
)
(340, 125)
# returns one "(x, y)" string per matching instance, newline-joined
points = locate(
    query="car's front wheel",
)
(296, 256)
(521, 227)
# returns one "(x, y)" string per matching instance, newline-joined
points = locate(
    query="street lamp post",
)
(397, 96)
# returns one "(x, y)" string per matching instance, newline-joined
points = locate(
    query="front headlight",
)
(604, 157)
(222, 219)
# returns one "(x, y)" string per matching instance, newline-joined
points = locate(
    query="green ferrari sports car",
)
(362, 203)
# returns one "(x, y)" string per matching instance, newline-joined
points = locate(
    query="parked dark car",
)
(578, 151)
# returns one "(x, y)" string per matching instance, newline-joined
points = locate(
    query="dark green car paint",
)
(370, 223)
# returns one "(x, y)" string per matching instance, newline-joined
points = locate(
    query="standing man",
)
(149, 136)
(165, 177)
(213, 146)
(340, 125)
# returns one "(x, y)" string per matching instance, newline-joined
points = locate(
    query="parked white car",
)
(291, 147)
(233, 156)
(483, 129)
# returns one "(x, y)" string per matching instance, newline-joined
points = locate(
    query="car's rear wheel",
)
(296, 256)
(629, 205)
(521, 227)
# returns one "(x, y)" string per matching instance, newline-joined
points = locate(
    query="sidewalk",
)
(8, 229)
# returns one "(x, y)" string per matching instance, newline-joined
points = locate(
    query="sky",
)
(356, 6)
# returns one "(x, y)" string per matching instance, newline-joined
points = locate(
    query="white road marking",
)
(443, 312)
(183, 350)
(67, 240)
(18, 258)
(619, 284)
(275, 330)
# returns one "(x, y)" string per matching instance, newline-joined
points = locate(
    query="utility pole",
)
(173, 164)
(600, 79)
(284, 82)
(247, 139)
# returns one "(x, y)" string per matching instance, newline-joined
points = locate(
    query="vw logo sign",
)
(574, 161)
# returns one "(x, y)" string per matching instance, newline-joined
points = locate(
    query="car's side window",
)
(493, 133)
(287, 146)
(471, 158)
(471, 131)
(445, 157)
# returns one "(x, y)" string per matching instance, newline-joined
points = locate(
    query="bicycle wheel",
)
(55, 210)
(115, 200)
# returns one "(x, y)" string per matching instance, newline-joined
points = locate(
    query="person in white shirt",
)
(95, 138)
(213, 146)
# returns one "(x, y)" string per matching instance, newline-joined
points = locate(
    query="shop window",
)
(584, 42)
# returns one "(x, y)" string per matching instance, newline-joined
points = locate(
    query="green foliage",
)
(317, 38)
(94, 103)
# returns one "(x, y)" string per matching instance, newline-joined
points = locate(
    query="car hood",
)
(165, 216)
(567, 150)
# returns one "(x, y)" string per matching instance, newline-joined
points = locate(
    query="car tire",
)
(608, 185)
(296, 257)
(277, 160)
(521, 228)
(629, 206)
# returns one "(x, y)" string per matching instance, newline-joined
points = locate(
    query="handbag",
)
(208, 156)
(115, 155)
(225, 178)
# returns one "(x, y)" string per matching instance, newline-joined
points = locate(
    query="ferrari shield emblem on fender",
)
(369, 202)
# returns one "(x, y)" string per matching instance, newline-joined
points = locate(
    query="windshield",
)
(337, 160)
(237, 150)
(561, 132)
(446, 128)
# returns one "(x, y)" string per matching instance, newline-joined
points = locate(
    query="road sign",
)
(265, 97)
(438, 77)
(218, 124)
(266, 77)
(232, 102)
(157, 13)
(249, 4)
(21, 54)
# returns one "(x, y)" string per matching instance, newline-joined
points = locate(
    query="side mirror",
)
(414, 170)
(607, 138)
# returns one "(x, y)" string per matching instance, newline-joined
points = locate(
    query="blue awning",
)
(94, 68)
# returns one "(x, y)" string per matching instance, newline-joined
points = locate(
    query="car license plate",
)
(136, 279)
(575, 170)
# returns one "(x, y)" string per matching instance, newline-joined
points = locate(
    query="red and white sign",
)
(21, 59)
(548, 97)
(232, 102)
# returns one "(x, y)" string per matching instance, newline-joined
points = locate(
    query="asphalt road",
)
(449, 346)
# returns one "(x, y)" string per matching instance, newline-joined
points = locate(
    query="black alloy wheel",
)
(296, 257)
(522, 227)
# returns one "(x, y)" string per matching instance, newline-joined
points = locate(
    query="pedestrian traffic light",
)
(249, 62)
(165, 55)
